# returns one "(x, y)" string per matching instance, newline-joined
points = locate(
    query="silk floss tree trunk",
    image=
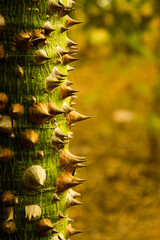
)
(36, 113)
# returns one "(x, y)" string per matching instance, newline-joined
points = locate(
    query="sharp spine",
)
(68, 83)
(68, 59)
(73, 193)
(53, 109)
(40, 57)
(69, 22)
(53, 7)
(60, 215)
(70, 201)
(66, 181)
(66, 91)
(55, 198)
(70, 68)
(74, 117)
(66, 108)
(66, 9)
(70, 220)
(57, 73)
(63, 29)
(48, 28)
(61, 237)
(60, 51)
(71, 231)
(70, 43)
(68, 161)
(44, 226)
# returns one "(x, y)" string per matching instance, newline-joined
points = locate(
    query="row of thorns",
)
(35, 176)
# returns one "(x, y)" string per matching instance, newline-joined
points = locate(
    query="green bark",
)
(27, 15)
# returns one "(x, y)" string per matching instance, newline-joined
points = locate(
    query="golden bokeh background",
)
(118, 76)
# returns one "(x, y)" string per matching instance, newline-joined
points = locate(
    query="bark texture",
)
(22, 78)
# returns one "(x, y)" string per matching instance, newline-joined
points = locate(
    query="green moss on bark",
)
(27, 15)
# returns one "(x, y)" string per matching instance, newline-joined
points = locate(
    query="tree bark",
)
(22, 79)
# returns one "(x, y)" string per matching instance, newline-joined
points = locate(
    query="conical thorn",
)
(69, 22)
(68, 59)
(71, 231)
(74, 117)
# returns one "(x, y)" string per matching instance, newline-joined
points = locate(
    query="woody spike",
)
(44, 226)
(9, 227)
(53, 7)
(70, 201)
(38, 113)
(66, 181)
(66, 91)
(37, 37)
(29, 138)
(57, 143)
(70, 220)
(9, 199)
(22, 40)
(53, 109)
(66, 9)
(70, 135)
(73, 193)
(54, 79)
(16, 110)
(60, 215)
(48, 28)
(5, 154)
(68, 83)
(69, 161)
(68, 59)
(55, 198)
(67, 108)
(69, 68)
(9, 213)
(66, 156)
(57, 73)
(40, 57)
(41, 112)
(72, 104)
(70, 166)
(73, 50)
(72, 98)
(61, 237)
(70, 43)
(60, 51)
(71, 231)
(63, 29)
(51, 83)
(78, 165)
(60, 134)
(74, 117)
(69, 22)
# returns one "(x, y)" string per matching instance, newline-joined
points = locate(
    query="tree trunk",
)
(31, 169)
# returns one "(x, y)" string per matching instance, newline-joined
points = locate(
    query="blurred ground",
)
(122, 196)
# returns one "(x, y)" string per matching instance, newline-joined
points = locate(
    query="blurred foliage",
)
(119, 81)
(129, 26)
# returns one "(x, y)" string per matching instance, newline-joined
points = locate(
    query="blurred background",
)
(118, 76)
